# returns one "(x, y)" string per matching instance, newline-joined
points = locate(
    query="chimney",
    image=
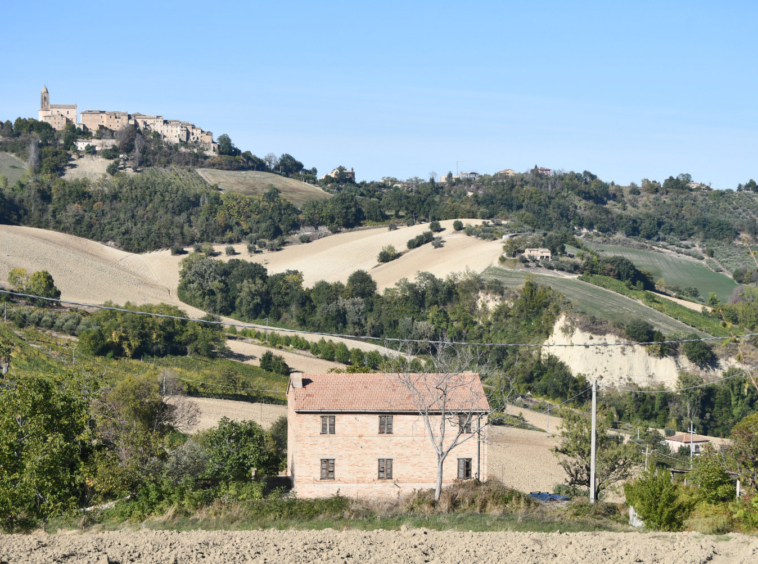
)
(297, 380)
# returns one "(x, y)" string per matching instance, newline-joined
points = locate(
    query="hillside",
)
(251, 182)
(12, 167)
(674, 269)
(592, 300)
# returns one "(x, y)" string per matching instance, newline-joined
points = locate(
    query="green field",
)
(250, 182)
(674, 270)
(12, 167)
(593, 300)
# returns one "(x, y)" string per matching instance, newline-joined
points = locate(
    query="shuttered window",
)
(385, 424)
(327, 469)
(385, 468)
(464, 468)
(327, 425)
(464, 422)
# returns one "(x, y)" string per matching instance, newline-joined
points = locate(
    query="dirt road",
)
(414, 545)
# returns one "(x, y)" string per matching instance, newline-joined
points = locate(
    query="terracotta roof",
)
(388, 392)
(685, 438)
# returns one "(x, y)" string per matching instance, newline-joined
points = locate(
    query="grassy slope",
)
(252, 182)
(12, 167)
(37, 352)
(593, 300)
(675, 270)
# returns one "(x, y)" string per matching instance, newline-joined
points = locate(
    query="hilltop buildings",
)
(172, 130)
(363, 435)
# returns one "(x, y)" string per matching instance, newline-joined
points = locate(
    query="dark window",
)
(385, 468)
(385, 424)
(327, 424)
(464, 422)
(464, 468)
(327, 469)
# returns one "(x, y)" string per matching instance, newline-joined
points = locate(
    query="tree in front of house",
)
(614, 459)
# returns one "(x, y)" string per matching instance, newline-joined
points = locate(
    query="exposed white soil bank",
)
(620, 365)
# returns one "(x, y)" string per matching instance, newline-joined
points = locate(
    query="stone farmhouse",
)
(538, 254)
(694, 442)
(172, 130)
(363, 435)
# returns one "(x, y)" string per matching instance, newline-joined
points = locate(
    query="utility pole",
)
(267, 330)
(548, 420)
(7, 240)
(594, 441)
(692, 446)
(647, 452)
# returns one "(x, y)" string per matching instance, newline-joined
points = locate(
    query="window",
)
(464, 422)
(464, 468)
(327, 469)
(327, 425)
(385, 424)
(385, 468)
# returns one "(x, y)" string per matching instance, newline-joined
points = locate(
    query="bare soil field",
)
(412, 545)
(522, 459)
(212, 410)
(251, 182)
(336, 257)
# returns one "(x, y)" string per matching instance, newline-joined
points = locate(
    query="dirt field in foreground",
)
(414, 545)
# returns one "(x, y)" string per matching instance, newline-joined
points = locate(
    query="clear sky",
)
(626, 90)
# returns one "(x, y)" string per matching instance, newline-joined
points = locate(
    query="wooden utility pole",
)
(594, 442)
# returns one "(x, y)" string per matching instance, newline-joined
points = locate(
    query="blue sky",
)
(625, 90)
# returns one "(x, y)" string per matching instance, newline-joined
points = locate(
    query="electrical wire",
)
(371, 338)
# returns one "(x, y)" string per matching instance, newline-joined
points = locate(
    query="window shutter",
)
(332, 430)
(388, 427)
(331, 469)
(388, 469)
(324, 469)
(461, 469)
(381, 469)
(382, 424)
(324, 429)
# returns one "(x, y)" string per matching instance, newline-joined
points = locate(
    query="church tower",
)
(45, 99)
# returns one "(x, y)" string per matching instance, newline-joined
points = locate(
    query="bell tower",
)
(45, 99)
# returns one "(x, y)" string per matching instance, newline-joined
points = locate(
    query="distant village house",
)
(349, 174)
(694, 441)
(362, 435)
(507, 172)
(96, 144)
(538, 254)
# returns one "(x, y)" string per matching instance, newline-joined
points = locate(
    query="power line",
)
(680, 389)
(371, 338)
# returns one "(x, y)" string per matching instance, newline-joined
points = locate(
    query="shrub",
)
(197, 247)
(387, 254)
(274, 363)
(640, 331)
(304, 238)
(208, 250)
(251, 249)
(113, 167)
(410, 222)
(425, 237)
(714, 483)
(659, 503)
(437, 242)
(698, 352)
(435, 226)
(392, 226)
(230, 252)
(458, 225)
(177, 250)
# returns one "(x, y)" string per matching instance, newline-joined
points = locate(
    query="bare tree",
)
(33, 160)
(433, 176)
(271, 161)
(449, 397)
(139, 146)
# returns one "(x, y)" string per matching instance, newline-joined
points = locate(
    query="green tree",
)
(360, 285)
(639, 331)
(41, 283)
(744, 450)
(235, 448)
(457, 224)
(709, 474)
(698, 352)
(43, 445)
(657, 501)
(226, 147)
(615, 460)
(274, 363)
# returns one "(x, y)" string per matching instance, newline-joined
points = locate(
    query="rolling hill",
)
(674, 269)
(252, 182)
(592, 300)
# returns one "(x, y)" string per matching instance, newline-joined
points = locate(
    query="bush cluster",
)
(424, 238)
